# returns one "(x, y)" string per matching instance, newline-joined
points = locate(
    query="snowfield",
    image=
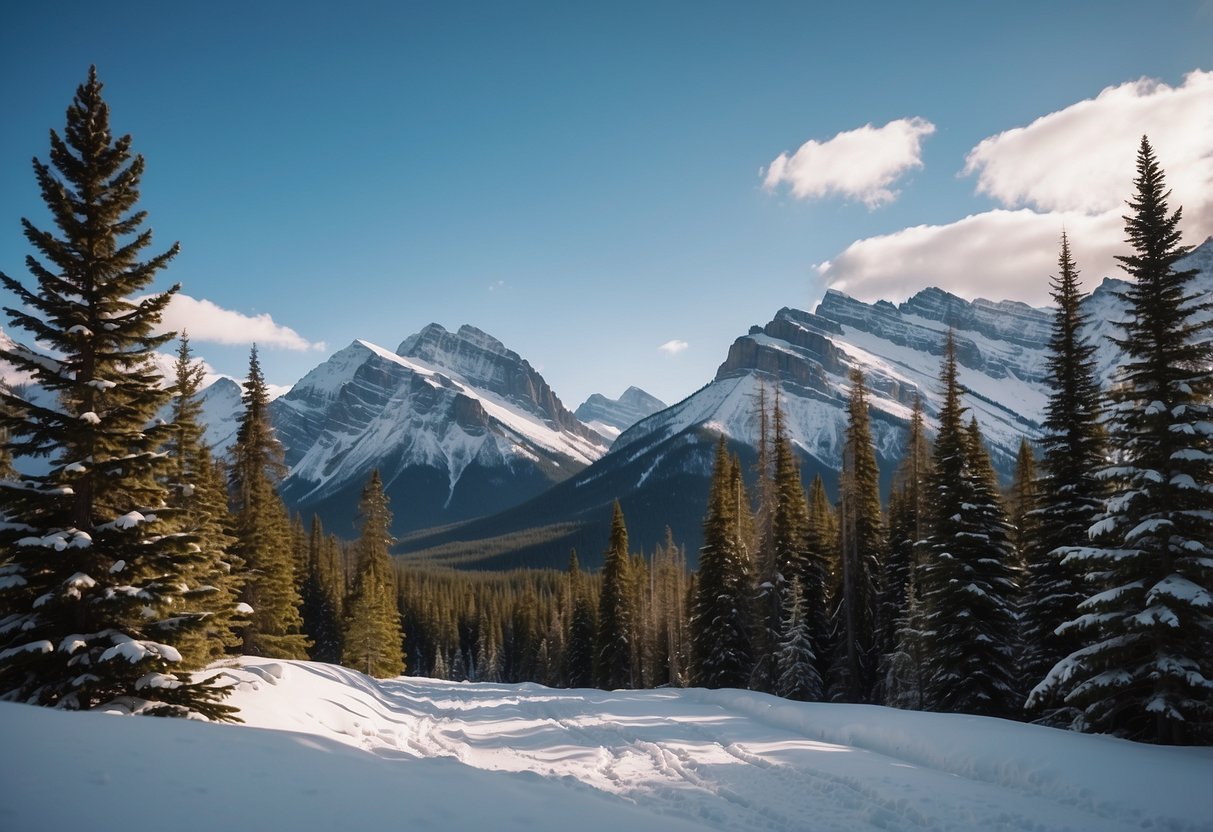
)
(348, 752)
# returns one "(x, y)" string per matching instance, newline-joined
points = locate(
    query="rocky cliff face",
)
(610, 417)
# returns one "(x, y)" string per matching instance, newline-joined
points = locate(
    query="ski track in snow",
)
(733, 760)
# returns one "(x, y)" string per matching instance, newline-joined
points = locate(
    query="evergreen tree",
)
(262, 530)
(322, 595)
(613, 654)
(720, 626)
(786, 559)
(196, 488)
(95, 566)
(372, 641)
(821, 554)
(1022, 503)
(1069, 492)
(966, 579)
(862, 544)
(1145, 665)
(907, 528)
(583, 628)
(799, 677)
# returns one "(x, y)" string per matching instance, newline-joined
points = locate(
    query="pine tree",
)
(1069, 492)
(821, 554)
(907, 528)
(583, 628)
(1145, 665)
(966, 579)
(720, 626)
(196, 488)
(862, 545)
(372, 641)
(1022, 503)
(613, 652)
(785, 556)
(799, 677)
(262, 530)
(96, 566)
(322, 595)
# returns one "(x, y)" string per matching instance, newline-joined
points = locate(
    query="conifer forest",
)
(1078, 595)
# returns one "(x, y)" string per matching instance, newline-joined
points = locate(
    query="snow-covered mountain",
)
(458, 426)
(659, 468)
(611, 417)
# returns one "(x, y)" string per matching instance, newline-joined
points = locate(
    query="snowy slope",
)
(349, 752)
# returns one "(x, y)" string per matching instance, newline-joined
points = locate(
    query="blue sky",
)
(589, 183)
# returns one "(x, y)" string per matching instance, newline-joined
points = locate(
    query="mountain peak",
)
(610, 417)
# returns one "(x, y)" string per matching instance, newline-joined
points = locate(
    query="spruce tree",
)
(613, 652)
(966, 579)
(907, 528)
(799, 677)
(196, 488)
(786, 558)
(1069, 493)
(721, 648)
(862, 544)
(262, 530)
(1145, 665)
(322, 595)
(821, 553)
(372, 641)
(583, 628)
(96, 567)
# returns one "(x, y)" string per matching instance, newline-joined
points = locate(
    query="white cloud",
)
(1072, 169)
(1081, 158)
(673, 347)
(207, 321)
(859, 164)
(1000, 255)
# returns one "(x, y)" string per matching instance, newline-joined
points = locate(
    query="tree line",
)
(1082, 597)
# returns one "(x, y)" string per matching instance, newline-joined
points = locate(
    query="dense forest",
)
(1081, 597)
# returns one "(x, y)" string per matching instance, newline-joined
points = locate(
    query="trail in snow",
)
(734, 760)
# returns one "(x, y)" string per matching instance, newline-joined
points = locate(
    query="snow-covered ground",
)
(347, 752)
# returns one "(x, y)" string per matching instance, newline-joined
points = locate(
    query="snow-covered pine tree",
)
(820, 559)
(96, 567)
(966, 579)
(720, 624)
(1069, 493)
(613, 649)
(907, 527)
(799, 677)
(262, 530)
(1145, 665)
(862, 541)
(787, 522)
(372, 641)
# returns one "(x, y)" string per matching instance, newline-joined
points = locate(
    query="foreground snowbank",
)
(458, 756)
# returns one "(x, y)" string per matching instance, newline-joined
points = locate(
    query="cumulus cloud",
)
(207, 321)
(1072, 169)
(1081, 158)
(673, 347)
(858, 164)
(1000, 255)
